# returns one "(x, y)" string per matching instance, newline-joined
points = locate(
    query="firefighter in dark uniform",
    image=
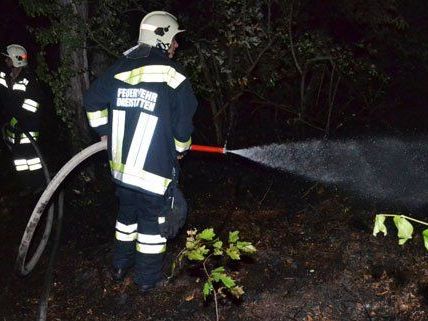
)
(143, 105)
(20, 100)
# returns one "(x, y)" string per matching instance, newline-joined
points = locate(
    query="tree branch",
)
(290, 35)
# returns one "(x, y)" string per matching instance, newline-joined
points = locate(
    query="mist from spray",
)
(382, 168)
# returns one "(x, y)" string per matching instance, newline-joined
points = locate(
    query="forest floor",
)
(316, 261)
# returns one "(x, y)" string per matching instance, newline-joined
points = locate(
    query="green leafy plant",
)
(202, 247)
(404, 227)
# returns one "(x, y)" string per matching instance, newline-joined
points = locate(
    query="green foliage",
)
(377, 15)
(404, 227)
(60, 31)
(75, 30)
(379, 225)
(228, 49)
(202, 246)
(233, 237)
(246, 50)
(207, 234)
(246, 54)
(425, 236)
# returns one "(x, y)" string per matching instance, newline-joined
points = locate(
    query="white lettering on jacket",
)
(136, 97)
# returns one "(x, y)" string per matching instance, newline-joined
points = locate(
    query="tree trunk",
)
(79, 83)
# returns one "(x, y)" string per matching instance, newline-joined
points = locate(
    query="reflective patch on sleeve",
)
(98, 118)
(20, 85)
(182, 146)
(30, 105)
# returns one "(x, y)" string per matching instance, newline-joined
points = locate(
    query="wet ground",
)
(316, 259)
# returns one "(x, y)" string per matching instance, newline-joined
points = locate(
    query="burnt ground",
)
(316, 259)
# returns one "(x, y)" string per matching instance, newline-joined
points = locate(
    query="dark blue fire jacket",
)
(20, 105)
(145, 105)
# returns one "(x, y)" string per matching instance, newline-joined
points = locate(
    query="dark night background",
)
(14, 23)
(316, 259)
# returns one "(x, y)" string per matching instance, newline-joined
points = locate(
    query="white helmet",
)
(18, 54)
(157, 29)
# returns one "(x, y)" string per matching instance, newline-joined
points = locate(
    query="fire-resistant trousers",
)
(138, 242)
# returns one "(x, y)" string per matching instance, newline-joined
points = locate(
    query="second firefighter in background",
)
(143, 105)
(20, 100)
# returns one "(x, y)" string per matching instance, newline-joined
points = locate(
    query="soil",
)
(316, 261)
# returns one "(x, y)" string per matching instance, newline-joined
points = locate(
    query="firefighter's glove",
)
(174, 213)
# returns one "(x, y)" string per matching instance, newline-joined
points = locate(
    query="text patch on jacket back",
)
(136, 97)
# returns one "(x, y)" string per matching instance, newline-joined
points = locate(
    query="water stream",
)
(380, 168)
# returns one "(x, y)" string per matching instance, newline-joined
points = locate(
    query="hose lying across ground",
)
(43, 302)
(44, 199)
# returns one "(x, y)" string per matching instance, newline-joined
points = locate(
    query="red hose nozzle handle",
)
(208, 149)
